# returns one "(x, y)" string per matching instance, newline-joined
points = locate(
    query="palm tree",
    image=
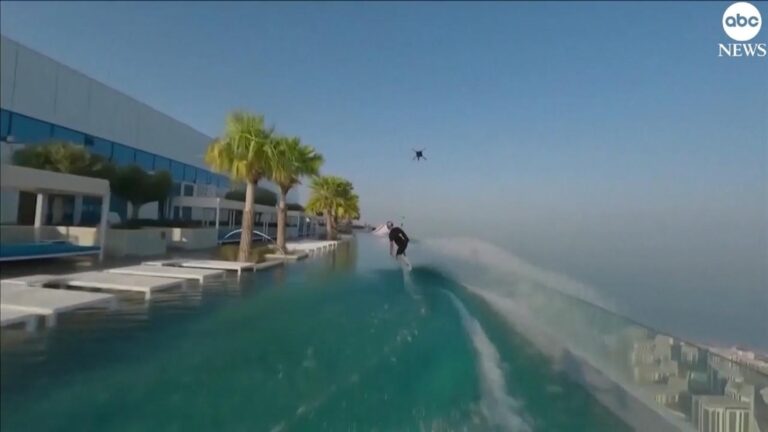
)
(328, 194)
(240, 154)
(349, 209)
(288, 160)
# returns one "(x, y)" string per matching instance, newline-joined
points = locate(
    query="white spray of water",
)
(493, 260)
(498, 407)
(526, 297)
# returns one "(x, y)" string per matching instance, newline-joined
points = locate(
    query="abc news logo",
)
(742, 22)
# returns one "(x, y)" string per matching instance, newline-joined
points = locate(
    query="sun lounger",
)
(39, 250)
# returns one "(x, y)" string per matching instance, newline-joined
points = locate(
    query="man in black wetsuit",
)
(397, 237)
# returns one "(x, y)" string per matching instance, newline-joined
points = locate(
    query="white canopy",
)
(35, 180)
(43, 182)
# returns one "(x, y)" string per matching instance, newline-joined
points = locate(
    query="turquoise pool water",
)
(339, 342)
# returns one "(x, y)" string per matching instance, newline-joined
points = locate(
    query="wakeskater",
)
(398, 237)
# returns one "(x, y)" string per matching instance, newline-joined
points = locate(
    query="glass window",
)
(189, 190)
(123, 155)
(68, 135)
(189, 173)
(203, 176)
(101, 147)
(26, 130)
(176, 191)
(145, 160)
(162, 164)
(223, 182)
(177, 171)
(5, 124)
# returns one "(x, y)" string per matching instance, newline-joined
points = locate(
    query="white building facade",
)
(43, 100)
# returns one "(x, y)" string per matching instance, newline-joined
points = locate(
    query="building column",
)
(218, 210)
(103, 225)
(77, 212)
(40, 213)
(40, 209)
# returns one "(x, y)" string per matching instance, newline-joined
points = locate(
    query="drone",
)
(419, 155)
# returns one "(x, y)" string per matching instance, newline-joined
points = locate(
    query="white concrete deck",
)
(169, 262)
(267, 264)
(51, 302)
(35, 280)
(119, 282)
(312, 246)
(291, 256)
(10, 316)
(200, 275)
(237, 266)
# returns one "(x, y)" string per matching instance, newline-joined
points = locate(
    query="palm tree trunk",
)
(246, 235)
(328, 225)
(135, 207)
(281, 218)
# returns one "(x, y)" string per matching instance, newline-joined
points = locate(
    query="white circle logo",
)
(742, 21)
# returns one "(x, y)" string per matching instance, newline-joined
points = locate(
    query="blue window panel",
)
(223, 182)
(162, 164)
(5, 124)
(203, 176)
(177, 171)
(68, 135)
(145, 160)
(176, 190)
(100, 147)
(123, 155)
(26, 130)
(189, 190)
(189, 173)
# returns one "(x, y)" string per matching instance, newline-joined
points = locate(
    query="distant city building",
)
(744, 357)
(689, 353)
(720, 414)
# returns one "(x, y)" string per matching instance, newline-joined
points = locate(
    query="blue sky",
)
(606, 140)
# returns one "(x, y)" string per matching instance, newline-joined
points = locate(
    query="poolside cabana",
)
(226, 215)
(222, 212)
(43, 183)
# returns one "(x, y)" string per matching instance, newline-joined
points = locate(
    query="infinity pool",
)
(344, 341)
